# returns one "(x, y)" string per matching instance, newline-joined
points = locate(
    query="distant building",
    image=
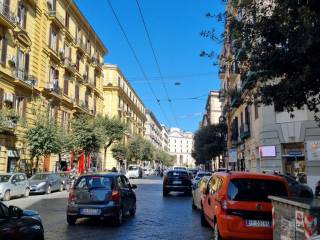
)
(153, 130)
(165, 138)
(181, 145)
(212, 110)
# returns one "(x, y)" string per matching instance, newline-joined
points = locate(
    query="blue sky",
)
(174, 27)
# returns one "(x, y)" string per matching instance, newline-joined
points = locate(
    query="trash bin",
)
(295, 218)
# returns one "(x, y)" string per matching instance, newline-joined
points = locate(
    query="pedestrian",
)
(317, 191)
(114, 169)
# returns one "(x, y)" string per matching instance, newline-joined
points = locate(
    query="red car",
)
(236, 204)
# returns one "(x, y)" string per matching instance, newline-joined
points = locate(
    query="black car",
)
(16, 224)
(101, 195)
(177, 181)
(297, 188)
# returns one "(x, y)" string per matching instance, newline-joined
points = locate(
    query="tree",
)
(135, 149)
(209, 142)
(147, 151)
(42, 140)
(8, 119)
(109, 131)
(164, 158)
(119, 152)
(276, 45)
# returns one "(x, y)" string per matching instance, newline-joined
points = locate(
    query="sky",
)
(174, 27)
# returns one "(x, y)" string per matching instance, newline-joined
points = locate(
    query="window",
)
(67, 20)
(66, 84)
(54, 78)
(95, 77)
(94, 105)
(51, 5)
(21, 106)
(22, 16)
(4, 47)
(54, 39)
(78, 61)
(67, 52)
(125, 182)
(76, 93)
(256, 111)
(86, 74)
(22, 64)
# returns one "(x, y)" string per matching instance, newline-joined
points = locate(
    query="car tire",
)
(117, 221)
(194, 207)
(7, 196)
(71, 220)
(216, 232)
(132, 211)
(165, 193)
(27, 192)
(204, 222)
(61, 188)
(48, 190)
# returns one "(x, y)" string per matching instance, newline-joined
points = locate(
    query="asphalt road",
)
(156, 217)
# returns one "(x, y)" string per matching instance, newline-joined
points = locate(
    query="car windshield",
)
(255, 189)
(133, 168)
(177, 174)
(179, 168)
(89, 182)
(39, 177)
(4, 178)
(200, 175)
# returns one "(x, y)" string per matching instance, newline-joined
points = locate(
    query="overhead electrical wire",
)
(157, 62)
(137, 60)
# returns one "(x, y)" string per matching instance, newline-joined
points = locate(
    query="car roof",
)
(249, 175)
(178, 170)
(109, 174)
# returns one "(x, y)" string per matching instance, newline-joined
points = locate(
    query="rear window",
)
(89, 182)
(200, 175)
(177, 174)
(133, 168)
(255, 189)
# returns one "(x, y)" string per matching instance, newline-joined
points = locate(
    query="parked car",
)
(317, 190)
(45, 183)
(177, 181)
(65, 179)
(13, 185)
(236, 204)
(201, 174)
(180, 168)
(16, 223)
(134, 171)
(197, 191)
(101, 195)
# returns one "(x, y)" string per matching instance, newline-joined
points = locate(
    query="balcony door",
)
(22, 65)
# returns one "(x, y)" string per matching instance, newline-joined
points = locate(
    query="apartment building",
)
(165, 138)
(153, 130)
(121, 101)
(212, 109)
(181, 145)
(51, 64)
(265, 137)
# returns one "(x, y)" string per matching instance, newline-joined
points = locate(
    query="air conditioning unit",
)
(8, 97)
(49, 86)
(12, 59)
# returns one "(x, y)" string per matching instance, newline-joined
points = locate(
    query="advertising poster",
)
(287, 229)
(299, 221)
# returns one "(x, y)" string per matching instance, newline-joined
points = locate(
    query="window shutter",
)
(4, 50)
(24, 107)
(26, 64)
(24, 17)
(1, 97)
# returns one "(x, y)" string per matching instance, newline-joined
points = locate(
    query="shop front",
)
(293, 159)
(13, 156)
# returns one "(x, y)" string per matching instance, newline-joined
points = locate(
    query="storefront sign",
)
(295, 153)
(233, 155)
(267, 151)
(313, 150)
(299, 221)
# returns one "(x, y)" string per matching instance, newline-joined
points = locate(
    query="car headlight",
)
(41, 184)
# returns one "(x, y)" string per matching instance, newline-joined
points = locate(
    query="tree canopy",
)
(209, 142)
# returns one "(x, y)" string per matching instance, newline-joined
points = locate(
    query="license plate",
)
(176, 182)
(258, 223)
(90, 211)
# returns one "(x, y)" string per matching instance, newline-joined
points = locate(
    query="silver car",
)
(45, 183)
(13, 185)
(197, 192)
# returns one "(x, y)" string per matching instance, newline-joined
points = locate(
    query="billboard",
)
(267, 151)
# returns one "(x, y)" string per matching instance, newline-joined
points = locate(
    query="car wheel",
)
(132, 211)
(165, 193)
(27, 192)
(71, 220)
(7, 196)
(118, 218)
(48, 191)
(216, 233)
(193, 205)
(61, 188)
(204, 222)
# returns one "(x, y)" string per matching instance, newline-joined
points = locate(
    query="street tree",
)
(42, 140)
(135, 149)
(276, 47)
(209, 142)
(109, 131)
(119, 152)
(147, 151)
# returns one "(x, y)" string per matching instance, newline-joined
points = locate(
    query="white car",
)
(134, 171)
(12, 185)
(180, 168)
(201, 174)
(197, 192)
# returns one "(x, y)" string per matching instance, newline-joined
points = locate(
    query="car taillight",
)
(72, 195)
(115, 196)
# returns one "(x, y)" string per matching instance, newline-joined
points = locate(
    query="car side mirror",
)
(133, 186)
(15, 212)
(14, 181)
(205, 190)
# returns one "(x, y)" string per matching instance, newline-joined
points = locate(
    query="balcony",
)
(56, 18)
(53, 88)
(69, 66)
(81, 45)
(97, 64)
(244, 132)
(23, 78)
(90, 83)
(7, 18)
(54, 54)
